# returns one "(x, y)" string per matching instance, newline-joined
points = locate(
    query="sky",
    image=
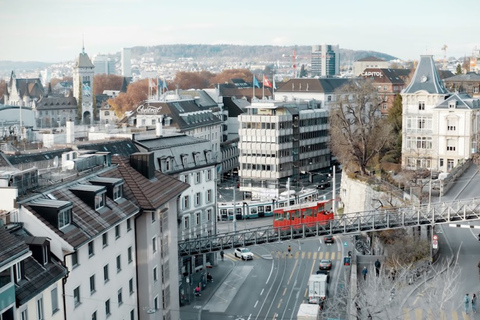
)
(54, 30)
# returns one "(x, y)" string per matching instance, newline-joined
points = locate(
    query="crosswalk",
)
(303, 255)
(429, 314)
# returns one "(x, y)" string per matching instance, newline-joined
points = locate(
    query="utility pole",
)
(334, 193)
(234, 210)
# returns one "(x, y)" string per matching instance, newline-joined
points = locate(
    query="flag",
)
(255, 82)
(274, 85)
(266, 83)
(152, 83)
(164, 85)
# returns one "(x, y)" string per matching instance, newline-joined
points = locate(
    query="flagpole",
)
(253, 96)
(263, 88)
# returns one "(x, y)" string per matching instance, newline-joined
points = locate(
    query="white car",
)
(244, 253)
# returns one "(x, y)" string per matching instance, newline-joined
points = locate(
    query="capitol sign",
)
(142, 109)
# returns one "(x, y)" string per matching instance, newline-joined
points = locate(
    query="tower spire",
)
(83, 44)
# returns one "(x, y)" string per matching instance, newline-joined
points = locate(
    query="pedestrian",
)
(474, 303)
(466, 300)
(377, 267)
(221, 254)
(290, 250)
(364, 272)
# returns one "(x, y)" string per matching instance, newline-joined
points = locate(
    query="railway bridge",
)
(352, 223)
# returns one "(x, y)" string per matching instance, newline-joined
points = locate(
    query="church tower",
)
(83, 87)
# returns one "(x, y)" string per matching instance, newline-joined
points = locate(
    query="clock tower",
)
(83, 88)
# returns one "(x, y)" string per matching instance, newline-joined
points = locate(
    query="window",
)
(209, 196)
(186, 202)
(421, 105)
(54, 298)
(119, 297)
(155, 303)
(197, 178)
(129, 224)
(129, 255)
(117, 192)
(105, 239)
(92, 284)
(154, 244)
(186, 223)
(76, 296)
(91, 251)
(117, 231)
(132, 315)
(451, 125)
(64, 218)
(451, 145)
(155, 274)
(197, 199)
(94, 315)
(130, 286)
(119, 263)
(153, 217)
(197, 216)
(105, 273)
(107, 307)
(209, 214)
(209, 175)
(24, 315)
(40, 309)
(74, 259)
(18, 272)
(99, 201)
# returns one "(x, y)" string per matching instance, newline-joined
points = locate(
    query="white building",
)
(126, 62)
(440, 129)
(279, 140)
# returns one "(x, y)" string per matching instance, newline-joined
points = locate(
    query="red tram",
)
(305, 213)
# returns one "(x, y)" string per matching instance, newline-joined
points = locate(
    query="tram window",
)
(308, 212)
(292, 202)
(268, 208)
(239, 210)
(230, 212)
(278, 216)
(260, 209)
(253, 210)
(297, 214)
(281, 204)
(287, 215)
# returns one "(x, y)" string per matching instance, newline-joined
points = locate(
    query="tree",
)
(191, 80)
(303, 72)
(103, 82)
(459, 69)
(3, 85)
(136, 93)
(358, 132)
(227, 75)
(395, 120)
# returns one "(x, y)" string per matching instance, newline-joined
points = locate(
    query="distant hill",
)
(256, 54)
(215, 54)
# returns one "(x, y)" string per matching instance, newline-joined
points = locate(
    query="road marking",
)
(406, 313)
(303, 255)
(327, 254)
(279, 303)
(309, 255)
(255, 304)
(418, 314)
(261, 292)
(284, 291)
(333, 256)
(315, 256)
(293, 270)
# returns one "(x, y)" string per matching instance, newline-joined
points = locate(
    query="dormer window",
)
(421, 105)
(19, 272)
(99, 201)
(452, 104)
(117, 192)
(64, 218)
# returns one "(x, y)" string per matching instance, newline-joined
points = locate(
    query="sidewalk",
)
(191, 307)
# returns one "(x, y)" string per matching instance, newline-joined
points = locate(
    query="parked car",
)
(325, 264)
(243, 253)
(323, 185)
(328, 240)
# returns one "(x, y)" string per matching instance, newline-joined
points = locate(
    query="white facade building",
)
(440, 129)
(279, 140)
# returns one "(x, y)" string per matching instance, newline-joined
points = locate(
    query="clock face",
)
(423, 79)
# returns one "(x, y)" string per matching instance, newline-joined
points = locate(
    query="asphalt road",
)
(274, 284)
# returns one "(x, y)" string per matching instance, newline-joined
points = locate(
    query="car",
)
(327, 272)
(323, 185)
(243, 253)
(325, 264)
(328, 240)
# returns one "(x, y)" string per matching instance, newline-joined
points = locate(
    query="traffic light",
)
(346, 261)
(478, 237)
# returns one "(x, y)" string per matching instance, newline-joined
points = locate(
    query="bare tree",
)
(358, 132)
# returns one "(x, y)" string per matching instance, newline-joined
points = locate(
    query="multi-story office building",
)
(103, 64)
(279, 140)
(325, 60)
(370, 62)
(126, 62)
(440, 129)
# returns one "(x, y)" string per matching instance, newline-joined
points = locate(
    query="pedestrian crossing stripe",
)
(315, 255)
(422, 314)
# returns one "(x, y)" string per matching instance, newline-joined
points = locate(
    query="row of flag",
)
(266, 82)
(159, 84)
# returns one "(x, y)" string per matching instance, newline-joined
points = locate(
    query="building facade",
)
(279, 140)
(325, 60)
(468, 83)
(440, 129)
(83, 74)
(370, 62)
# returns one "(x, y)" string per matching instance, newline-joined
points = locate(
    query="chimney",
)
(70, 128)
(159, 127)
(143, 162)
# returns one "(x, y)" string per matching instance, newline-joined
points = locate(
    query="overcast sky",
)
(52, 30)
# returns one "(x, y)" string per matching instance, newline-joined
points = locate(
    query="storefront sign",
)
(142, 109)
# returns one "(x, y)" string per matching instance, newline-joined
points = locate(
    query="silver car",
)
(243, 253)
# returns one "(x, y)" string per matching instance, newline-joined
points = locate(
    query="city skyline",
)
(54, 30)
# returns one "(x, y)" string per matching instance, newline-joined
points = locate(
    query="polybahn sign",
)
(351, 223)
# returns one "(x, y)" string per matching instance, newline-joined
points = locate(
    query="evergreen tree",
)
(395, 120)
(303, 72)
(459, 69)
